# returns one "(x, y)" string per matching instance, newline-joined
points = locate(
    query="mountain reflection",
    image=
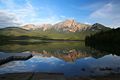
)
(70, 55)
(70, 58)
(88, 66)
(68, 51)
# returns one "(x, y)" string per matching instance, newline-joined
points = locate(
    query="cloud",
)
(8, 3)
(109, 13)
(14, 15)
(103, 12)
(89, 7)
(8, 19)
(49, 19)
(26, 13)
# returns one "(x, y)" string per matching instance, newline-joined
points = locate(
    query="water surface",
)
(70, 58)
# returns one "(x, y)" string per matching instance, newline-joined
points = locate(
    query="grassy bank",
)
(21, 34)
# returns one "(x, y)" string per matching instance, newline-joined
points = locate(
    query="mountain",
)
(65, 30)
(98, 27)
(36, 27)
(69, 25)
(29, 27)
(44, 27)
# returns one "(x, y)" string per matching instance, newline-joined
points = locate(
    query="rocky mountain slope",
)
(69, 25)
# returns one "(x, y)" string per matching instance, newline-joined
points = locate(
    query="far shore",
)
(38, 41)
(49, 40)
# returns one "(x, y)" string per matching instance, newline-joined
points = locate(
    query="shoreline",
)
(5, 58)
(53, 76)
(37, 41)
(51, 40)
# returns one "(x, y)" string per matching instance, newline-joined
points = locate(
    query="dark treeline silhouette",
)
(105, 37)
(107, 41)
(107, 48)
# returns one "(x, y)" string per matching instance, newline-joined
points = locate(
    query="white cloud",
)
(105, 11)
(8, 19)
(109, 13)
(87, 23)
(89, 7)
(14, 14)
(27, 13)
(50, 20)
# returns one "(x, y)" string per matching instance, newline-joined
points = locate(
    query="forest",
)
(105, 37)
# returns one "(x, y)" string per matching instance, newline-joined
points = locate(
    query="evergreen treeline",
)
(105, 37)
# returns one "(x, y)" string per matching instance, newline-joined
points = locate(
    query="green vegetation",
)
(105, 41)
(105, 37)
(13, 33)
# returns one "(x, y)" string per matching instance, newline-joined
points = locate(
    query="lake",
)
(71, 58)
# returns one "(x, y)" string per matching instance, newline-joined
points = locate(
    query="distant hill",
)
(65, 30)
(13, 31)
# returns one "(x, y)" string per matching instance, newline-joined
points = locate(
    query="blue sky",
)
(19, 12)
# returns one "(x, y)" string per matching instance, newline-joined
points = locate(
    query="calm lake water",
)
(70, 58)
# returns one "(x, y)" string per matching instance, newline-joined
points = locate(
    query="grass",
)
(49, 34)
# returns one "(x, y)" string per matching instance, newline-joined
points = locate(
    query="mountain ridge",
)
(65, 30)
(69, 25)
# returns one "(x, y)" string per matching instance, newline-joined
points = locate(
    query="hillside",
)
(49, 34)
(12, 31)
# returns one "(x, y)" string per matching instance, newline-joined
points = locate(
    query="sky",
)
(20, 12)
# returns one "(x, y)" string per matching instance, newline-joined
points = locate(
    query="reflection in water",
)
(68, 49)
(69, 55)
(111, 48)
(88, 66)
(70, 58)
